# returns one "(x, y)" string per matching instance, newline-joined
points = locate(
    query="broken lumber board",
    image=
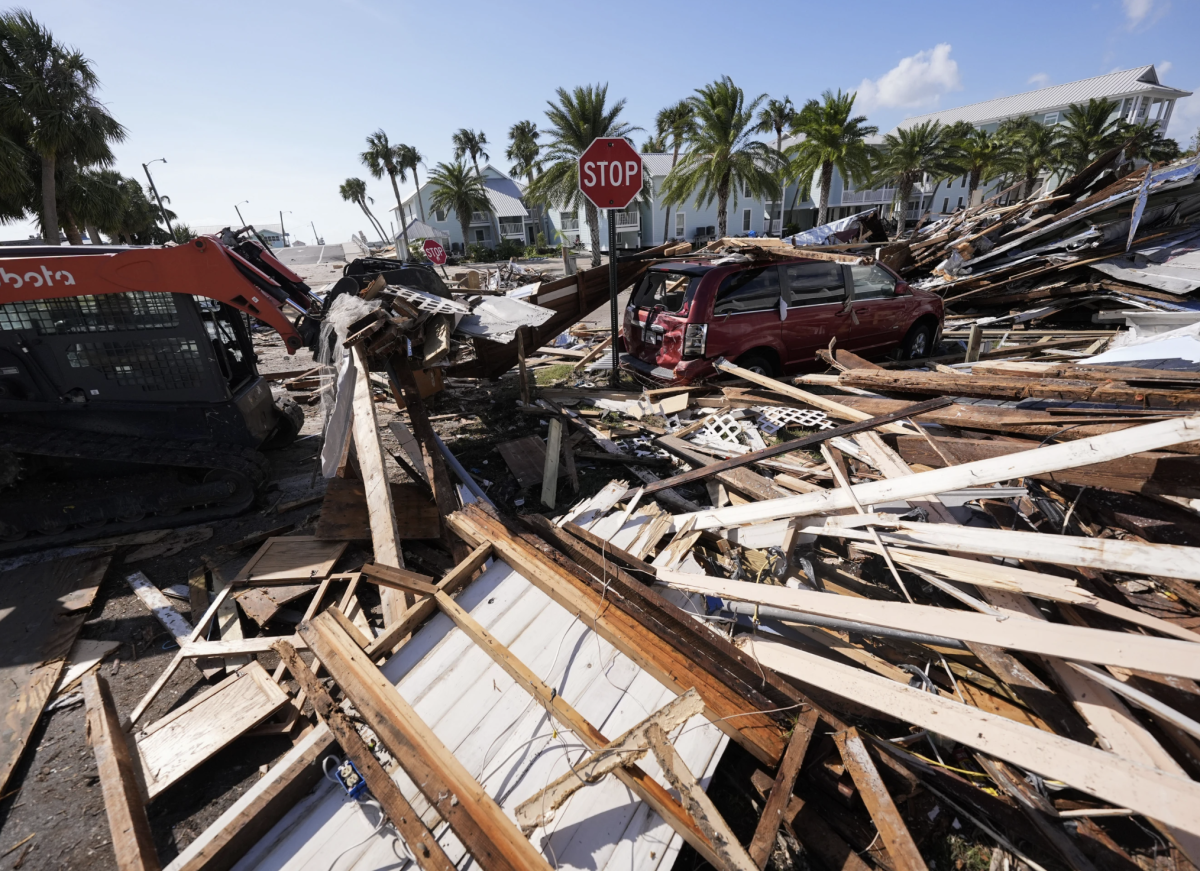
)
(45, 605)
(1087, 372)
(785, 781)
(1112, 778)
(489, 836)
(229, 621)
(385, 539)
(260, 807)
(799, 817)
(420, 841)
(792, 445)
(526, 459)
(1006, 387)
(127, 822)
(888, 822)
(162, 609)
(291, 559)
(345, 517)
(1160, 655)
(208, 722)
(551, 470)
(262, 604)
(1050, 458)
(1172, 474)
(729, 851)
(824, 403)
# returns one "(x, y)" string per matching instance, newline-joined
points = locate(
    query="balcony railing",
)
(882, 195)
(570, 223)
(628, 221)
(512, 230)
(481, 218)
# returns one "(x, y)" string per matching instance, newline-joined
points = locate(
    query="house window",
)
(480, 235)
(960, 202)
(746, 190)
(746, 219)
(1051, 118)
(439, 215)
(680, 225)
(945, 205)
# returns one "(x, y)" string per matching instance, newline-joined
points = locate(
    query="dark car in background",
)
(772, 318)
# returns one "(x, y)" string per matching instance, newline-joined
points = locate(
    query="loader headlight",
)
(694, 337)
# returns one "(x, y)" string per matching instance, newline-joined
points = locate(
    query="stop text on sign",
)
(619, 172)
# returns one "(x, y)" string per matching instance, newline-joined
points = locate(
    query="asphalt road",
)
(308, 254)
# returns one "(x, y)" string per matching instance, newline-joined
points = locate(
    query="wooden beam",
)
(550, 471)
(1050, 458)
(593, 354)
(890, 825)
(127, 822)
(607, 548)
(1112, 778)
(489, 836)
(731, 855)
(522, 372)
(785, 782)
(812, 832)
(420, 841)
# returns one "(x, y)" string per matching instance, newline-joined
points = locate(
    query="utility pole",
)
(154, 190)
(282, 232)
(239, 211)
(316, 238)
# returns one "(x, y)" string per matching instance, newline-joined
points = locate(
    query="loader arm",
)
(202, 267)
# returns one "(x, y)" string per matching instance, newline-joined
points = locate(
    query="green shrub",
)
(509, 248)
(791, 229)
(541, 241)
(479, 253)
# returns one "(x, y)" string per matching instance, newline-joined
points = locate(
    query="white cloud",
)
(1039, 80)
(1139, 12)
(917, 81)
(1185, 120)
(1163, 68)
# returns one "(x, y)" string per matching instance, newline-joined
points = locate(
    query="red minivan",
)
(771, 317)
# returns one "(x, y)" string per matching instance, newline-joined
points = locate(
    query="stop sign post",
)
(610, 175)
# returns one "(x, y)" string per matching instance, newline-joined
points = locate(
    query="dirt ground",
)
(55, 795)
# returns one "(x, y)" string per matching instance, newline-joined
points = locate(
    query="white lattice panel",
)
(721, 428)
(772, 418)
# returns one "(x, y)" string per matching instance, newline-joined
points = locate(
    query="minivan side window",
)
(814, 283)
(668, 289)
(747, 291)
(872, 282)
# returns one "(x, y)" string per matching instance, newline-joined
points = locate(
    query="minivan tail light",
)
(694, 337)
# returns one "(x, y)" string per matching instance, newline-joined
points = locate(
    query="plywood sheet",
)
(42, 607)
(290, 559)
(261, 604)
(344, 512)
(183, 739)
(526, 459)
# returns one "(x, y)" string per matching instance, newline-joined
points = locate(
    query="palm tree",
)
(49, 96)
(913, 152)
(775, 116)
(354, 190)
(834, 138)
(721, 158)
(1087, 130)
(381, 157)
(455, 188)
(979, 156)
(468, 143)
(577, 118)
(675, 123)
(1029, 150)
(410, 159)
(524, 152)
(654, 144)
(1146, 142)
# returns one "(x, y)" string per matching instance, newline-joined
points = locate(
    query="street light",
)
(162, 211)
(282, 232)
(239, 211)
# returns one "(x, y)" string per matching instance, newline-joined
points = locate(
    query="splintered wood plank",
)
(488, 834)
(261, 604)
(344, 515)
(291, 559)
(526, 459)
(229, 623)
(785, 782)
(127, 822)
(42, 607)
(879, 802)
(550, 469)
(187, 736)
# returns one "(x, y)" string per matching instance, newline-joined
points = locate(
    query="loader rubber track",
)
(172, 483)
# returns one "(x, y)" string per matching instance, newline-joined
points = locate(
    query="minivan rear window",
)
(747, 291)
(671, 290)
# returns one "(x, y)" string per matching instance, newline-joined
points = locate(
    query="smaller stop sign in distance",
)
(610, 173)
(434, 251)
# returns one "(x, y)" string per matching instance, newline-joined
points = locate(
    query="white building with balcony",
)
(507, 216)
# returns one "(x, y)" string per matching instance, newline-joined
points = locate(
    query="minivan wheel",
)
(918, 343)
(758, 364)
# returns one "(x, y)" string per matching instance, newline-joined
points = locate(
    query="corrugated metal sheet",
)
(1139, 80)
(506, 740)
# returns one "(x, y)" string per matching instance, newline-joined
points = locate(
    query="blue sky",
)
(271, 102)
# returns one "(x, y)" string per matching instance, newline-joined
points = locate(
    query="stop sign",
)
(434, 251)
(610, 173)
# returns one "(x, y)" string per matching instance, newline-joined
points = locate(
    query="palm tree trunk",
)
(826, 183)
(400, 209)
(972, 186)
(782, 181)
(723, 205)
(49, 202)
(667, 208)
(1030, 181)
(420, 200)
(374, 221)
(71, 228)
(93, 233)
(593, 219)
(903, 192)
(464, 224)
